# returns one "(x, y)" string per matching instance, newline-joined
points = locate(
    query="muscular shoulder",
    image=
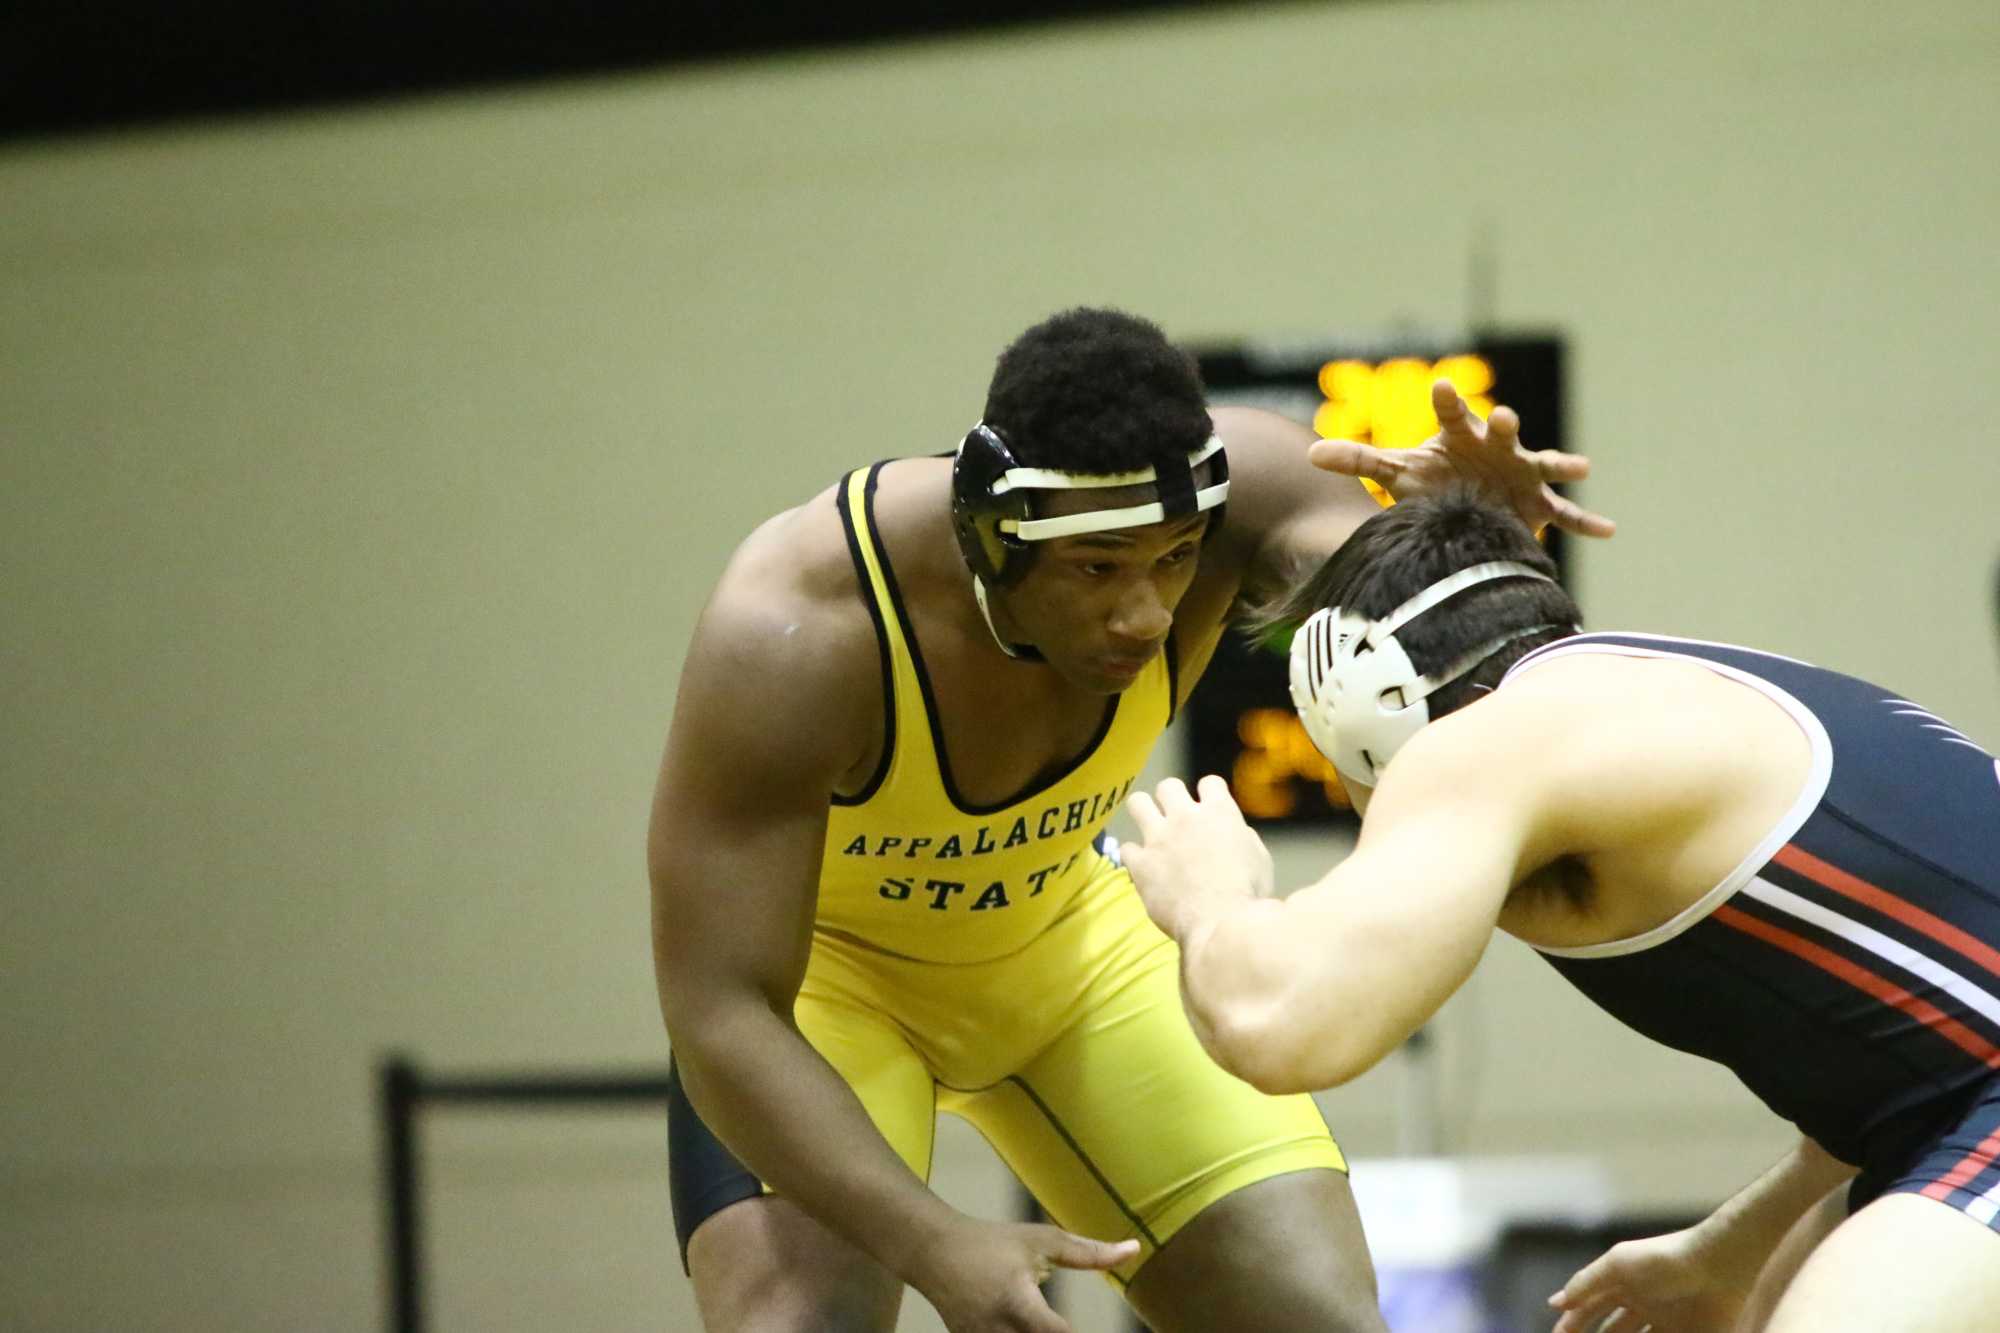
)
(1639, 706)
(1672, 701)
(1655, 778)
(1612, 751)
(785, 646)
(1258, 429)
(1267, 459)
(1285, 515)
(1573, 720)
(796, 561)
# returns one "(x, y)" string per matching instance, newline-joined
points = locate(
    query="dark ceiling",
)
(88, 66)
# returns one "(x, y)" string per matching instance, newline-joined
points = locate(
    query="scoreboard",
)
(1240, 722)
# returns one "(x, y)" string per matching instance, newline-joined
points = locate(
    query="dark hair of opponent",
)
(1401, 551)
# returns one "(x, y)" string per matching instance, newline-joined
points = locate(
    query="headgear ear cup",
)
(976, 512)
(1359, 696)
(1312, 652)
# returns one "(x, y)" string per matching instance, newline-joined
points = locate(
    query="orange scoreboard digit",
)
(1239, 721)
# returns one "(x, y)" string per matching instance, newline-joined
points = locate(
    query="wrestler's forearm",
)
(1236, 974)
(1751, 1222)
(784, 1111)
(1313, 990)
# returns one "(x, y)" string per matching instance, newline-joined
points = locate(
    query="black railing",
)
(404, 1090)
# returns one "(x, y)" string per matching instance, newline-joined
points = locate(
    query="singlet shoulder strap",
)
(855, 498)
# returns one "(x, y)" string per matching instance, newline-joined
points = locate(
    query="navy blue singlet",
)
(1848, 971)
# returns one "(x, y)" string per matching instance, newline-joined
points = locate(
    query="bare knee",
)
(1277, 1298)
(1328, 1297)
(1283, 1254)
(786, 1307)
(762, 1266)
(1299, 1295)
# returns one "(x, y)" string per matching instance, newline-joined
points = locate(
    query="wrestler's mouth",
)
(1124, 668)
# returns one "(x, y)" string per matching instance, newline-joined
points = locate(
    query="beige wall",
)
(363, 472)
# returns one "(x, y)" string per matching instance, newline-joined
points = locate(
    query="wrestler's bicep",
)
(758, 741)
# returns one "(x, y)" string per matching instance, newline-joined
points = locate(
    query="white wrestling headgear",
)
(1356, 690)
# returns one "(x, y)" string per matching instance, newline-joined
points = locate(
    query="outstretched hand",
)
(1468, 451)
(1196, 853)
(985, 1277)
(1668, 1284)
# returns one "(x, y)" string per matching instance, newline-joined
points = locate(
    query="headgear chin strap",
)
(1355, 688)
(992, 513)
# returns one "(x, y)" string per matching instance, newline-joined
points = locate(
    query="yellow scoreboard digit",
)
(1239, 721)
(1388, 403)
(1276, 758)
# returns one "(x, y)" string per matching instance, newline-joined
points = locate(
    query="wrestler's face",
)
(1098, 605)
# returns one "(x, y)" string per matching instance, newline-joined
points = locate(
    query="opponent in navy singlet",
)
(1849, 970)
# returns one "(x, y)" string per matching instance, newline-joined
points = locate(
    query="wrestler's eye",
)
(1180, 555)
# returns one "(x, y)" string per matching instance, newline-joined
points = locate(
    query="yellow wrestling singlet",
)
(997, 963)
(909, 866)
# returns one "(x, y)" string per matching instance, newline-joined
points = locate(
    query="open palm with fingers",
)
(1467, 451)
(1668, 1284)
(1196, 852)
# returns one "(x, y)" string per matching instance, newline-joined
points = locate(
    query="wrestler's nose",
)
(1141, 618)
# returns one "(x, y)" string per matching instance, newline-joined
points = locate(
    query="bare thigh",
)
(1903, 1264)
(763, 1266)
(1283, 1254)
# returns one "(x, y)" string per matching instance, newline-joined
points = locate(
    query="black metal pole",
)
(401, 1086)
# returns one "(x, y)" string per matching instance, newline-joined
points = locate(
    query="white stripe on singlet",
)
(1972, 995)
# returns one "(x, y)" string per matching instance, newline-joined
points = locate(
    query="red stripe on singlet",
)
(1969, 1166)
(1831, 876)
(1888, 992)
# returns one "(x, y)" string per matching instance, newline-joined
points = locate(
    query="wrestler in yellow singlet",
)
(996, 963)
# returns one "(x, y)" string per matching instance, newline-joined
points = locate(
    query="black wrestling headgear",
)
(991, 511)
